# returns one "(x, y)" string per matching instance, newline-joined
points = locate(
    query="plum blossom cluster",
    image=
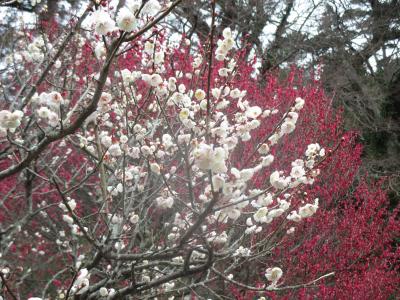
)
(273, 275)
(224, 45)
(68, 209)
(9, 121)
(128, 17)
(49, 106)
(35, 51)
(184, 141)
(304, 211)
(163, 143)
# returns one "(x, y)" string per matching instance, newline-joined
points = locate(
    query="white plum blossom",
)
(273, 274)
(246, 174)
(103, 23)
(274, 213)
(277, 181)
(10, 120)
(133, 5)
(299, 103)
(134, 219)
(155, 80)
(199, 94)
(164, 203)
(106, 141)
(235, 93)
(53, 119)
(103, 292)
(3, 132)
(151, 7)
(215, 238)
(216, 92)
(57, 64)
(223, 72)
(115, 150)
(261, 215)
(297, 172)
(149, 47)
(43, 112)
(172, 84)
(197, 62)
(288, 127)
(71, 203)
(227, 33)
(242, 252)
(267, 160)
(283, 204)
(253, 112)
(209, 158)
(298, 162)
(99, 50)
(291, 230)
(253, 229)
(184, 114)
(167, 141)
(309, 209)
(294, 216)
(203, 104)
(263, 200)
(127, 76)
(126, 20)
(52, 99)
(159, 57)
(81, 283)
(218, 182)
(263, 149)
(293, 116)
(273, 139)
(104, 101)
(249, 222)
(146, 150)
(69, 220)
(225, 45)
(313, 149)
(123, 139)
(155, 168)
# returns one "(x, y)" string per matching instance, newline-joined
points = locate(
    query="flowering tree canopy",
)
(136, 165)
